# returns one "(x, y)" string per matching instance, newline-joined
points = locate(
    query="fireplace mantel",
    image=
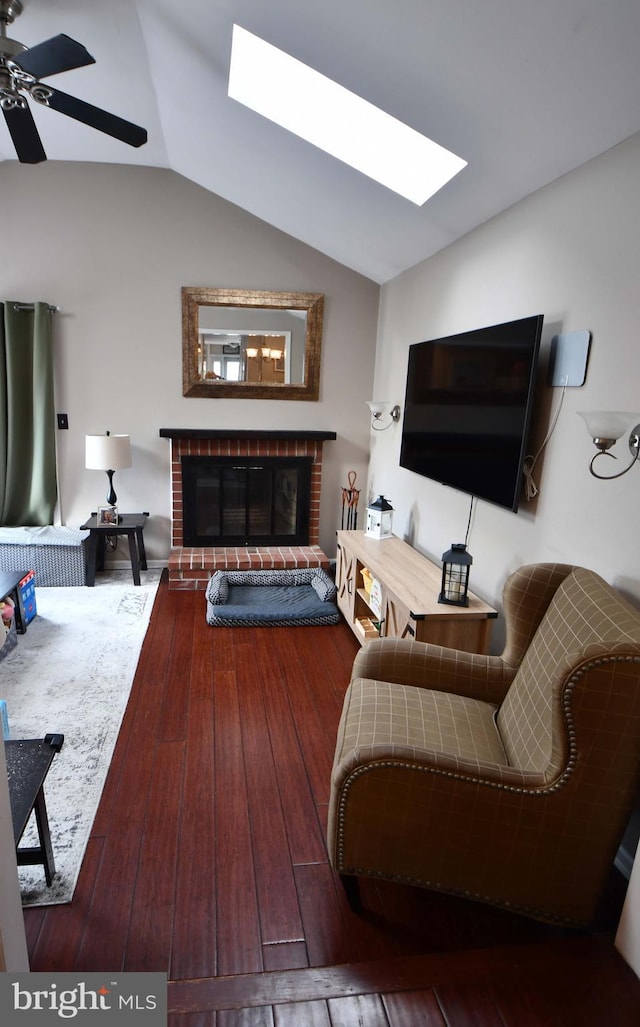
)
(247, 433)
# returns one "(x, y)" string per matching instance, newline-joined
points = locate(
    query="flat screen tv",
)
(468, 409)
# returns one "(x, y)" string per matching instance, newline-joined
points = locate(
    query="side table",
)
(28, 763)
(131, 525)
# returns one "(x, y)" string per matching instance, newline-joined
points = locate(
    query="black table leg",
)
(102, 546)
(21, 620)
(133, 552)
(92, 557)
(34, 855)
(42, 820)
(141, 550)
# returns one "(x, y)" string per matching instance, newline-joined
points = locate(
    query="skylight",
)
(303, 101)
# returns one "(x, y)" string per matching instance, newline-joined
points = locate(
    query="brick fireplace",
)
(190, 567)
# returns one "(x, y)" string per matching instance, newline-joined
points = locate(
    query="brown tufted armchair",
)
(506, 779)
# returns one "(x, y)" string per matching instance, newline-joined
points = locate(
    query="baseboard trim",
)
(125, 565)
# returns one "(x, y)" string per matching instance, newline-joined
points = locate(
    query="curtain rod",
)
(31, 306)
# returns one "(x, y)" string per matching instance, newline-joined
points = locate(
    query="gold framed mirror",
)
(251, 344)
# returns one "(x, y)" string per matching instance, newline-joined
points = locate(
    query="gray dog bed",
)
(303, 596)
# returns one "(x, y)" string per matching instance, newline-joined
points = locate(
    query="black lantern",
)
(455, 575)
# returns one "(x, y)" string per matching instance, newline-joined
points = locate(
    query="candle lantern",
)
(455, 575)
(379, 518)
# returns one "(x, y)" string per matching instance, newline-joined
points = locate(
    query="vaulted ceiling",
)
(525, 92)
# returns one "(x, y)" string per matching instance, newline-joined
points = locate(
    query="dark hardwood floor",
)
(207, 860)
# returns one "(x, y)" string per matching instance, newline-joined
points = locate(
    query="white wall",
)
(572, 253)
(112, 246)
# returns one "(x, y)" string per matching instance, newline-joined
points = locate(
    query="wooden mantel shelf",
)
(246, 433)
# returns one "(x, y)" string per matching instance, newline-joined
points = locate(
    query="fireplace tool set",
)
(350, 497)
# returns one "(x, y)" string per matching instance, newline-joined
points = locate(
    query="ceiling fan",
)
(21, 69)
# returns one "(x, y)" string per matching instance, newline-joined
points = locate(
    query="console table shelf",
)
(409, 586)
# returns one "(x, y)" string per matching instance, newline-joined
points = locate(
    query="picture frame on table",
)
(107, 515)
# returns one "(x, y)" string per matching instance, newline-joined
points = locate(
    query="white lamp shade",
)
(107, 452)
(377, 406)
(608, 424)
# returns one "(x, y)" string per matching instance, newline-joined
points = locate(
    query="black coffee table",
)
(9, 587)
(28, 762)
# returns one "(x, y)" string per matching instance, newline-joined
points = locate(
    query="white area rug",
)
(72, 673)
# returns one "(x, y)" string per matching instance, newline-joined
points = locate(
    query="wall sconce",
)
(605, 428)
(108, 453)
(378, 409)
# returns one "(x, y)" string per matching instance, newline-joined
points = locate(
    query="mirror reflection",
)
(251, 345)
(257, 344)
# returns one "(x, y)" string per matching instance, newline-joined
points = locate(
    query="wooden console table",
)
(409, 590)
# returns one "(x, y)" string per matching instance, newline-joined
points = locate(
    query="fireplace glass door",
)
(231, 501)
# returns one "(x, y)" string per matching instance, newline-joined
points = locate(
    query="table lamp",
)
(108, 453)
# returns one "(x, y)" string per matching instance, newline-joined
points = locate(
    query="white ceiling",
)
(523, 91)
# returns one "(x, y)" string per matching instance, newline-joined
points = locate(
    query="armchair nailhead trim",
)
(535, 792)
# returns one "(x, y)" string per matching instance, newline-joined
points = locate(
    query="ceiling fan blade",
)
(61, 53)
(25, 136)
(95, 117)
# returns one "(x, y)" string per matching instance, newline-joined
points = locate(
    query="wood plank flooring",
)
(207, 861)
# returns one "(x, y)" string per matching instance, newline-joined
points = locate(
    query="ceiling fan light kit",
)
(21, 69)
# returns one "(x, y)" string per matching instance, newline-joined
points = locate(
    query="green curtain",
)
(28, 487)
